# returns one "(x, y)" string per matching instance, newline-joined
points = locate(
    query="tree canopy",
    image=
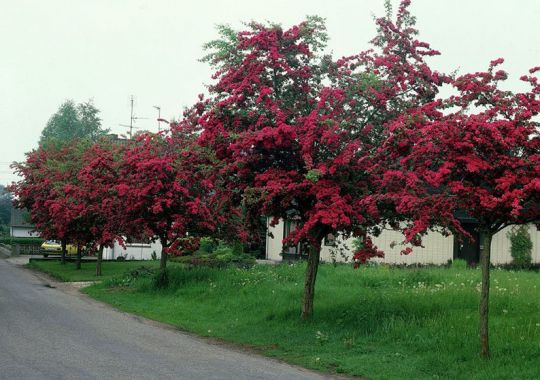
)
(296, 130)
(72, 121)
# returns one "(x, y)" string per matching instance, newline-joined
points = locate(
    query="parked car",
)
(53, 247)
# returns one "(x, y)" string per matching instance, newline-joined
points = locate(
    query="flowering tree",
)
(163, 188)
(34, 190)
(295, 148)
(49, 175)
(477, 151)
(101, 207)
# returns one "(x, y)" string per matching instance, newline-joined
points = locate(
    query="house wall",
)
(273, 244)
(133, 251)
(23, 232)
(438, 249)
(500, 246)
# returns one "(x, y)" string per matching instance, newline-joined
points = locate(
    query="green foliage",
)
(72, 121)
(459, 264)
(160, 280)
(391, 323)
(220, 258)
(313, 175)
(218, 254)
(520, 246)
(222, 51)
(4, 230)
(123, 272)
(208, 245)
(21, 240)
(5, 206)
(357, 244)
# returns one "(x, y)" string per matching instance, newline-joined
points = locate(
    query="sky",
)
(108, 50)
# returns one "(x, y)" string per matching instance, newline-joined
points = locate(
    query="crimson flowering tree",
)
(477, 151)
(296, 130)
(49, 176)
(65, 205)
(35, 189)
(96, 194)
(164, 189)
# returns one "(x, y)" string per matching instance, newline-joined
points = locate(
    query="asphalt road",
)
(57, 333)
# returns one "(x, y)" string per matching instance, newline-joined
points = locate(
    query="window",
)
(330, 240)
(288, 227)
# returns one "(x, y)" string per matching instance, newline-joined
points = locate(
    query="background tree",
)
(477, 151)
(296, 149)
(73, 121)
(5, 210)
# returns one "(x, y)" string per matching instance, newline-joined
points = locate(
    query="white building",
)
(20, 225)
(133, 251)
(438, 249)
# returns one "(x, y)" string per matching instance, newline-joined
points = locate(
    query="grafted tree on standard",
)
(478, 152)
(296, 130)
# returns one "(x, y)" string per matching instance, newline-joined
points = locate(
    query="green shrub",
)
(207, 245)
(223, 250)
(520, 246)
(217, 254)
(21, 240)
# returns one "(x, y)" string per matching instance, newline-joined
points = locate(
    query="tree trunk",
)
(163, 260)
(309, 283)
(64, 251)
(78, 262)
(99, 260)
(484, 295)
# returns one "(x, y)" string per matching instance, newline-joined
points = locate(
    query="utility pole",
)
(131, 120)
(159, 118)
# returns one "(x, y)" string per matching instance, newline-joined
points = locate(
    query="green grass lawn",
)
(375, 322)
(67, 272)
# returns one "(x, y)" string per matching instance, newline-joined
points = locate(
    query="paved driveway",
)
(53, 333)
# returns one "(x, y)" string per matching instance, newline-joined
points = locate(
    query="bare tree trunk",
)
(64, 251)
(484, 295)
(163, 260)
(99, 260)
(309, 282)
(78, 262)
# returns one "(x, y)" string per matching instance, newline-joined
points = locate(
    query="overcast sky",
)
(107, 50)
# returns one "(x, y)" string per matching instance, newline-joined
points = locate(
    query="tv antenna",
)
(132, 120)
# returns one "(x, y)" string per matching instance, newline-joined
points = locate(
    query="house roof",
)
(20, 218)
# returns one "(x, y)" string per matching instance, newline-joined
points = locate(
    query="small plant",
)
(459, 264)
(520, 246)
(321, 338)
(154, 255)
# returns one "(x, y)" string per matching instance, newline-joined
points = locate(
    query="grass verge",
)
(375, 322)
(68, 273)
